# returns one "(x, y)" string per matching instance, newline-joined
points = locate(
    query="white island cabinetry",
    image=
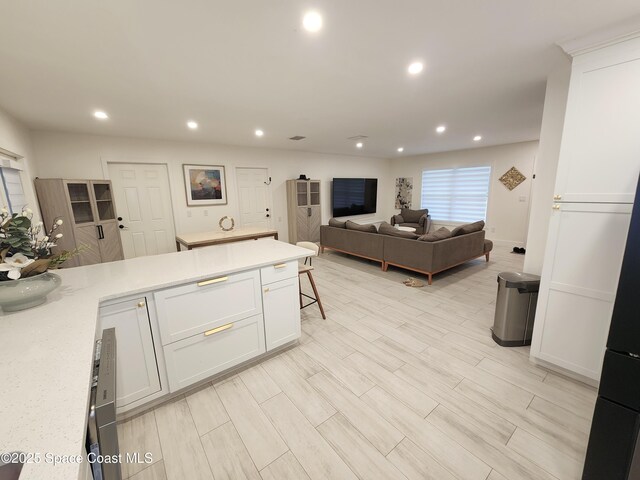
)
(137, 369)
(280, 294)
(99, 296)
(212, 325)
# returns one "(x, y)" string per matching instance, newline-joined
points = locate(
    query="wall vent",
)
(358, 137)
(297, 137)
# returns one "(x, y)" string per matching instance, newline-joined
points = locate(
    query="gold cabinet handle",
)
(141, 304)
(212, 281)
(557, 197)
(556, 207)
(280, 265)
(218, 329)
(266, 290)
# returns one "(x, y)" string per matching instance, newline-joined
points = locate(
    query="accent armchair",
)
(418, 219)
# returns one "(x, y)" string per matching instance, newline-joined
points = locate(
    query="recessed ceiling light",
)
(477, 138)
(259, 133)
(192, 125)
(312, 21)
(359, 145)
(441, 129)
(400, 149)
(415, 68)
(100, 114)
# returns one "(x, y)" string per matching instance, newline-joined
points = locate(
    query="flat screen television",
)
(354, 196)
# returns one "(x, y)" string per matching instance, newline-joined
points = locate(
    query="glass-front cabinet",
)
(80, 199)
(104, 200)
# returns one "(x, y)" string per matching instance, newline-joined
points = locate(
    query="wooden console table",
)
(205, 239)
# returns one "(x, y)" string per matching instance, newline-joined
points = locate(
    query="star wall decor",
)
(512, 178)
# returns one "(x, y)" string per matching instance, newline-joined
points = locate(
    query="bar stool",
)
(306, 269)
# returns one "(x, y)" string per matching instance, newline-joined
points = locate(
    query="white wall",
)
(542, 192)
(16, 141)
(507, 211)
(66, 155)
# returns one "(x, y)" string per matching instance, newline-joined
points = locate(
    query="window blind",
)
(12, 183)
(456, 194)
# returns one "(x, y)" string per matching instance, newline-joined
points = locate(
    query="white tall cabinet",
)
(596, 179)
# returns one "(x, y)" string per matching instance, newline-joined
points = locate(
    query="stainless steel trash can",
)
(515, 308)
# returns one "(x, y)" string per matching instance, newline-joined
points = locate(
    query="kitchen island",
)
(46, 352)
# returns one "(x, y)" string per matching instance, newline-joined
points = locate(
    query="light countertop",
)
(46, 352)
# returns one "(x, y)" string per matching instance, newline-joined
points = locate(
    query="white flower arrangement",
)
(24, 250)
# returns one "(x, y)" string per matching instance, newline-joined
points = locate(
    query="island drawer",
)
(194, 308)
(201, 356)
(279, 271)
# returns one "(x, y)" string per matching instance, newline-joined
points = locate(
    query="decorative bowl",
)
(27, 292)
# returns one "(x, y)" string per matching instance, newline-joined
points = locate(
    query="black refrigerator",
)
(614, 447)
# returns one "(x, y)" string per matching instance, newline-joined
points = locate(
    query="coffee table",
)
(406, 229)
(205, 239)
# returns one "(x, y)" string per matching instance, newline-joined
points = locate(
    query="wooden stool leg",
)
(315, 292)
(300, 291)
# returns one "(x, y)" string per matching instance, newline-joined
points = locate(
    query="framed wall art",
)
(205, 185)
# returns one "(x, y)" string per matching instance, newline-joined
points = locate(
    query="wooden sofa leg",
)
(429, 278)
(487, 255)
(321, 248)
(385, 266)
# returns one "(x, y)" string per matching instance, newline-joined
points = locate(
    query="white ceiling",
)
(237, 65)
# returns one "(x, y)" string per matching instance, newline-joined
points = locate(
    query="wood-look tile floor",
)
(397, 383)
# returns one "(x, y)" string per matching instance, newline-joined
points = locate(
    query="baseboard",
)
(564, 372)
(506, 243)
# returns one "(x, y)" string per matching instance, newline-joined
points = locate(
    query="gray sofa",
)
(420, 256)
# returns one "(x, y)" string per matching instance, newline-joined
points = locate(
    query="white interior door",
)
(253, 195)
(143, 201)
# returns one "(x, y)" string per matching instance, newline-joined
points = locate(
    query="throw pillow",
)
(361, 228)
(397, 219)
(468, 228)
(387, 229)
(439, 234)
(413, 216)
(337, 223)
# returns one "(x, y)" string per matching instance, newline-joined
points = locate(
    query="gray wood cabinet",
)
(88, 211)
(303, 209)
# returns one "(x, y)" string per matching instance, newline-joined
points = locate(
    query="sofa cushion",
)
(439, 234)
(413, 216)
(337, 223)
(468, 228)
(361, 228)
(387, 229)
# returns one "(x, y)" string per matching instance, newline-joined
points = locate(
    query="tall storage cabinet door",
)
(315, 220)
(281, 312)
(87, 239)
(110, 245)
(136, 368)
(600, 153)
(578, 287)
(302, 224)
